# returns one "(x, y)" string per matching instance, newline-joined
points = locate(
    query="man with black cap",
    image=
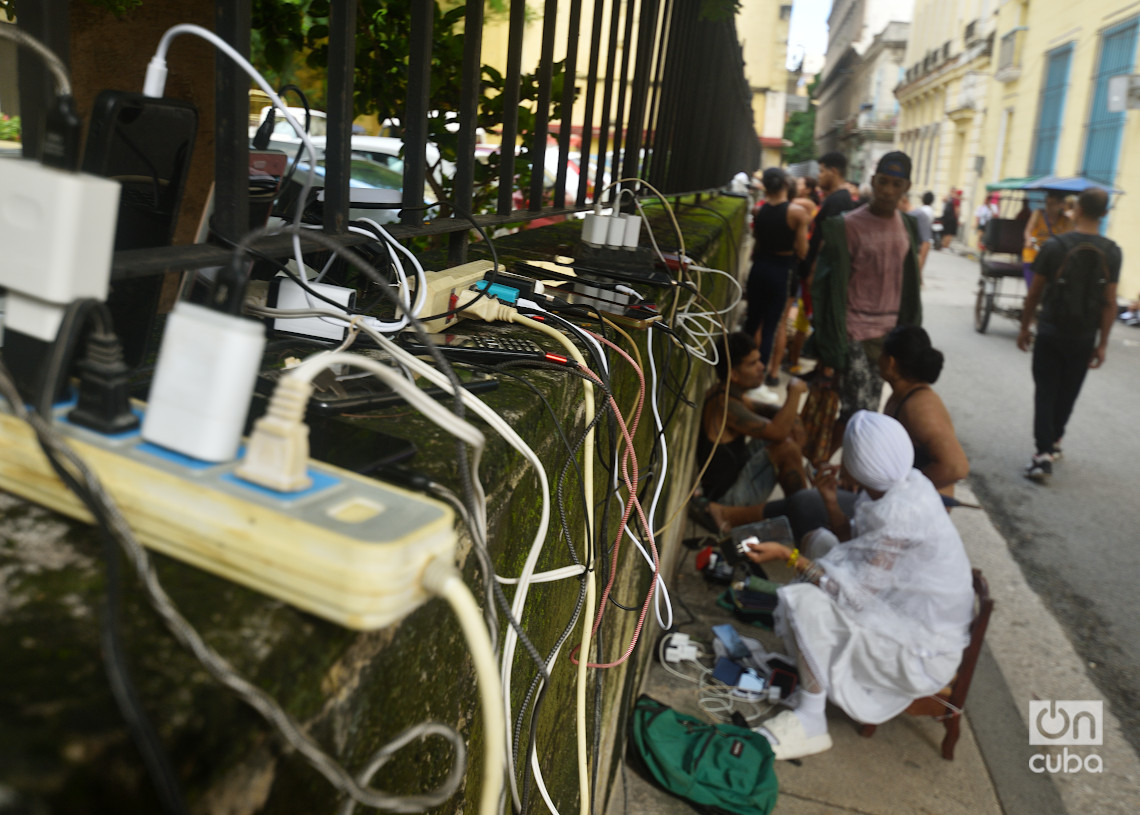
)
(866, 282)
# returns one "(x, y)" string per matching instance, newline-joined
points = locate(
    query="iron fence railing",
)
(665, 99)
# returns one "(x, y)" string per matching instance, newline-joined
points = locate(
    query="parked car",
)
(376, 189)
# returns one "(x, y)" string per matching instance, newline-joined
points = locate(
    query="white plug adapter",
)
(57, 230)
(615, 235)
(680, 653)
(632, 233)
(285, 293)
(204, 381)
(595, 227)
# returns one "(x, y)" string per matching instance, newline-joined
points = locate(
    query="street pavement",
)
(1062, 569)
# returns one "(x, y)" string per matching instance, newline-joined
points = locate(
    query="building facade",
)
(856, 111)
(942, 100)
(763, 29)
(1049, 105)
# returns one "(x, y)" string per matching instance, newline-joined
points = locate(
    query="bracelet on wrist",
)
(793, 558)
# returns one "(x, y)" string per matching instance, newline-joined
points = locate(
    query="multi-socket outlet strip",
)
(349, 549)
(444, 288)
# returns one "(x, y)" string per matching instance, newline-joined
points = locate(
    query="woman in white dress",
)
(882, 616)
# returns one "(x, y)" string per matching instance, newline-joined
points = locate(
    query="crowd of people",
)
(880, 613)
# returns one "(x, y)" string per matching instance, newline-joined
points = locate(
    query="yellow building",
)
(762, 26)
(1048, 104)
(942, 101)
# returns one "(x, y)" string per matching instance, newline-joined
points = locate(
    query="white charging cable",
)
(155, 85)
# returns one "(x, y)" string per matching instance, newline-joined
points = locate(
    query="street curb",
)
(1037, 661)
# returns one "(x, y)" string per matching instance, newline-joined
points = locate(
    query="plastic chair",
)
(947, 704)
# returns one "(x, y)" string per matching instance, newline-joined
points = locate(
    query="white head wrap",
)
(877, 452)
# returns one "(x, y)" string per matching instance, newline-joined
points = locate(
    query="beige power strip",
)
(444, 287)
(349, 549)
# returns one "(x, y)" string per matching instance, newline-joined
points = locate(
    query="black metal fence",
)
(675, 110)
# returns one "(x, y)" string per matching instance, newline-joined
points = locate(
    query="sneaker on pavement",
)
(1040, 468)
(1057, 454)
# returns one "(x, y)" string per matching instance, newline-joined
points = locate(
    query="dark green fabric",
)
(722, 768)
(829, 291)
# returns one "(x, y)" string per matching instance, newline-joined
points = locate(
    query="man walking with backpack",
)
(1074, 280)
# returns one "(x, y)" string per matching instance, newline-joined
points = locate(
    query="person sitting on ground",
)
(910, 365)
(880, 619)
(741, 475)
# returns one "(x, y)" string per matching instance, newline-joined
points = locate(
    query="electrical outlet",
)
(444, 287)
(349, 549)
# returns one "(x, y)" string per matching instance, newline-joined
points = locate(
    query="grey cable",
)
(54, 63)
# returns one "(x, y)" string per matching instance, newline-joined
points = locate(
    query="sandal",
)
(700, 515)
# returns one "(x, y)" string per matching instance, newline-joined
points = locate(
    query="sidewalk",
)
(900, 769)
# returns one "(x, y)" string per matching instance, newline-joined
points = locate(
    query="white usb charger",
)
(204, 381)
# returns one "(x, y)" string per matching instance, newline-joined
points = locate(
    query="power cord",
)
(81, 479)
(62, 126)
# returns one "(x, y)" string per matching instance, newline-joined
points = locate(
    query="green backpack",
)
(721, 768)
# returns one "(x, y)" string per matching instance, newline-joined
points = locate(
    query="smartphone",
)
(484, 349)
(731, 640)
(146, 145)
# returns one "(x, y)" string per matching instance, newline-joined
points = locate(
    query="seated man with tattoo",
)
(750, 452)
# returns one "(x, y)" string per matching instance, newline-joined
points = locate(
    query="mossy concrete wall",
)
(64, 748)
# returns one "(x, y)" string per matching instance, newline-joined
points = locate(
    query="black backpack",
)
(1074, 299)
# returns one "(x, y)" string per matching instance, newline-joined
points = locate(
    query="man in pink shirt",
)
(867, 282)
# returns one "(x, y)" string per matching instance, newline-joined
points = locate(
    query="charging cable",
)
(155, 85)
(442, 579)
(62, 125)
(86, 484)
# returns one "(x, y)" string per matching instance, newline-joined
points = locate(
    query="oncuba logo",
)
(1064, 724)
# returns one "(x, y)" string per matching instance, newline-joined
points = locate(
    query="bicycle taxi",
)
(1002, 285)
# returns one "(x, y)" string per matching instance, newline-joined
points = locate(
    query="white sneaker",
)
(786, 733)
(764, 394)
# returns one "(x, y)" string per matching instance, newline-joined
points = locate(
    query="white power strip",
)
(349, 549)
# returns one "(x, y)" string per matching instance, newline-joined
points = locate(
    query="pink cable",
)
(632, 504)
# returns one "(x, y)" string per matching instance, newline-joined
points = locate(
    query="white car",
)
(385, 150)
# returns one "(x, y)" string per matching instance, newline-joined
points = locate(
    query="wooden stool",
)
(947, 704)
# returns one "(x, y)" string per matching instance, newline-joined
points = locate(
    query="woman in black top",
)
(780, 230)
(949, 221)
